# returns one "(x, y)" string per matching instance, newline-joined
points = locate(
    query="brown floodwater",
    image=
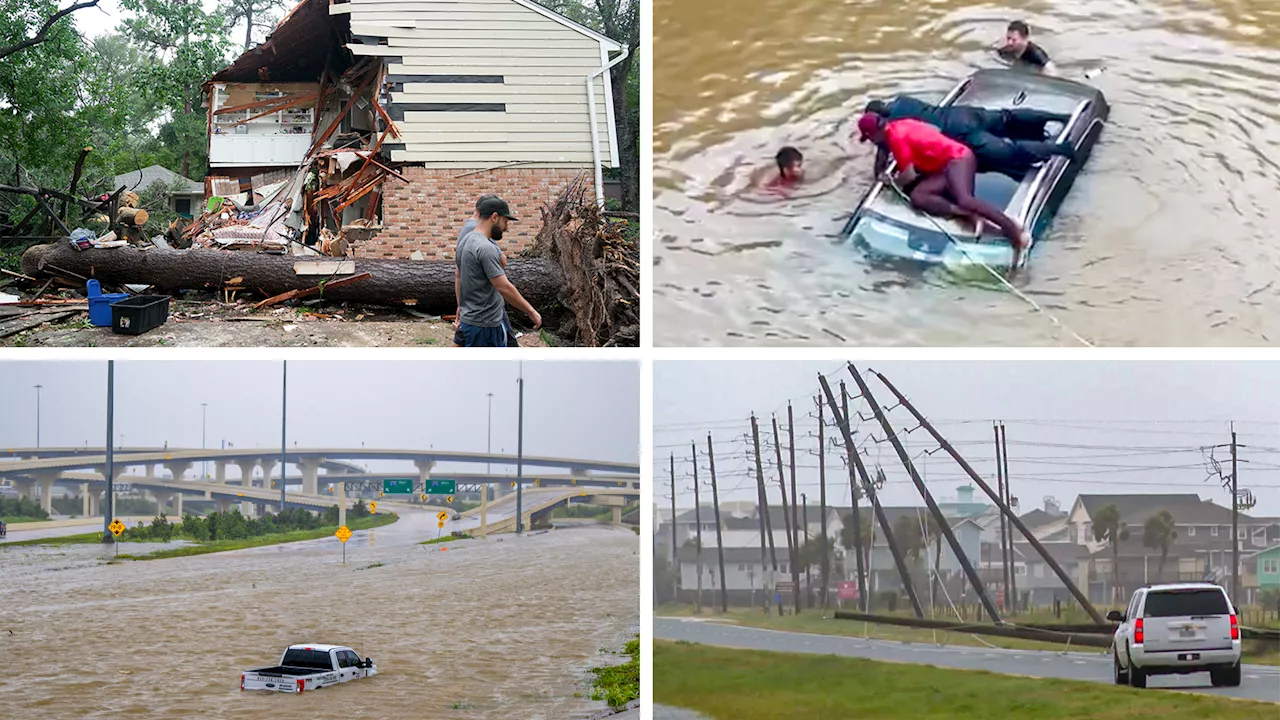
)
(500, 629)
(1167, 238)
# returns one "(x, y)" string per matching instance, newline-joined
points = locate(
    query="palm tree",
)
(1158, 534)
(1108, 528)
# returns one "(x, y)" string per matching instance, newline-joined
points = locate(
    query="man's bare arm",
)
(509, 293)
(457, 292)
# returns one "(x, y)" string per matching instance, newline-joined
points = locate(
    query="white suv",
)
(1177, 629)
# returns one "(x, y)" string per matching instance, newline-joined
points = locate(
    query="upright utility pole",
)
(284, 408)
(851, 452)
(1235, 516)
(697, 521)
(1004, 553)
(204, 466)
(786, 521)
(808, 577)
(1008, 501)
(1013, 518)
(822, 502)
(762, 499)
(675, 556)
(38, 416)
(520, 455)
(715, 498)
(484, 486)
(108, 508)
(943, 526)
(796, 534)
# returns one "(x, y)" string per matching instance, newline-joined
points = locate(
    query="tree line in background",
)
(135, 95)
(234, 526)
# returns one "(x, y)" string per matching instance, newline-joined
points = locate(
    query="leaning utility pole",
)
(1004, 554)
(715, 498)
(697, 521)
(1008, 501)
(978, 587)
(1013, 519)
(786, 521)
(842, 420)
(675, 556)
(808, 578)
(762, 499)
(1235, 516)
(822, 503)
(864, 600)
(796, 534)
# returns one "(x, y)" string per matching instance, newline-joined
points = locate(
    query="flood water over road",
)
(504, 628)
(1167, 237)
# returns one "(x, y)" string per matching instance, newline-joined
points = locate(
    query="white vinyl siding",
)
(543, 63)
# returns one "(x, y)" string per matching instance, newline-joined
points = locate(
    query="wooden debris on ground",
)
(601, 269)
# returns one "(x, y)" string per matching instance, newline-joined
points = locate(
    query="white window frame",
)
(1213, 530)
(1191, 531)
(1270, 565)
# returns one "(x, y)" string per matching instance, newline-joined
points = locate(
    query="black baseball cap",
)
(490, 205)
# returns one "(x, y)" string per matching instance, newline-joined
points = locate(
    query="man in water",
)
(483, 284)
(467, 227)
(1018, 46)
(938, 174)
(790, 169)
(1009, 141)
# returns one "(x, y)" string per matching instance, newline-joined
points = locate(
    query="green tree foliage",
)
(21, 507)
(1158, 534)
(1108, 528)
(257, 15)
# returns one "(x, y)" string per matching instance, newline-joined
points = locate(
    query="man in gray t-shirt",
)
(482, 283)
(467, 227)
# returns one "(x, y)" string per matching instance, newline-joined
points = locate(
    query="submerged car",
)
(887, 226)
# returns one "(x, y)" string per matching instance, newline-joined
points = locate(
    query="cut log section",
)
(133, 216)
(427, 286)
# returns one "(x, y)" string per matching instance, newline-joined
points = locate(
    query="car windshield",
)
(880, 232)
(318, 659)
(1178, 603)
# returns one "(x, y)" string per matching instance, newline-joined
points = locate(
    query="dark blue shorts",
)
(461, 341)
(483, 336)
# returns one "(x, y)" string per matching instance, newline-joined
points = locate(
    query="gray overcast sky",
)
(587, 410)
(1113, 416)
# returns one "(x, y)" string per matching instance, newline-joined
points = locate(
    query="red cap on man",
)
(868, 124)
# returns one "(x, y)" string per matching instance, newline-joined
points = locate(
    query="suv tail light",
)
(302, 685)
(1137, 631)
(1235, 628)
(242, 681)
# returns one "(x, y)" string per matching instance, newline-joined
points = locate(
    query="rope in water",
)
(1003, 281)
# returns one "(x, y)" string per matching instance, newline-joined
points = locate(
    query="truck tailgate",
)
(272, 681)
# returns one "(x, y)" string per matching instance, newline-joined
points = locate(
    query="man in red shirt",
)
(946, 170)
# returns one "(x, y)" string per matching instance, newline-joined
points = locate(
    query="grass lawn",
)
(619, 684)
(10, 519)
(811, 621)
(444, 539)
(93, 538)
(752, 685)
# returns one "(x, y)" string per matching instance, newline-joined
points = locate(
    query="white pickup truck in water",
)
(308, 667)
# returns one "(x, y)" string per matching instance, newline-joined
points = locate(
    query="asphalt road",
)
(1260, 682)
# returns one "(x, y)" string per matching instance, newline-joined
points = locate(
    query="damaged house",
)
(369, 127)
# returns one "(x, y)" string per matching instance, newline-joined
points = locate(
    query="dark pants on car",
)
(1007, 141)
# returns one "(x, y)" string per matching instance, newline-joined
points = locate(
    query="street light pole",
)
(484, 486)
(520, 455)
(284, 401)
(107, 497)
(204, 466)
(38, 416)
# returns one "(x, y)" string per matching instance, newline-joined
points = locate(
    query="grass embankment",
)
(11, 519)
(445, 539)
(195, 548)
(731, 684)
(619, 684)
(811, 621)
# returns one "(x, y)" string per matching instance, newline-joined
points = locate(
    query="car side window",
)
(342, 659)
(350, 658)
(1134, 605)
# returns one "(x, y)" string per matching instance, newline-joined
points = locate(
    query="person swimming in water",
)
(938, 174)
(1010, 141)
(1019, 48)
(790, 169)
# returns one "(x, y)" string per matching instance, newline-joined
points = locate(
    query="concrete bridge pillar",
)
(341, 491)
(45, 480)
(617, 515)
(177, 504)
(178, 469)
(310, 469)
(268, 464)
(26, 488)
(94, 503)
(247, 508)
(161, 498)
(220, 472)
(246, 471)
(424, 469)
(149, 471)
(224, 505)
(86, 506)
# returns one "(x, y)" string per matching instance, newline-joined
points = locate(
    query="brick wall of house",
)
(427, 212)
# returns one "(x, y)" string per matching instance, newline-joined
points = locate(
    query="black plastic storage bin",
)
(138, 314)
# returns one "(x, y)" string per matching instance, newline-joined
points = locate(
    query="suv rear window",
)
(1176, 603)
(317, 659)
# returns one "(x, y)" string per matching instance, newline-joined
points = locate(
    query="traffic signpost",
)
(440, 487)
(397, 486)
(116, 527)
(373, 507)
(440, 518)
(344, 534)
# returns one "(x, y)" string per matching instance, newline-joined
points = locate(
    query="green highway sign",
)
(404, 486)
(441, 487)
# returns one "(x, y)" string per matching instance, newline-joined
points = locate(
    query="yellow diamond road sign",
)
(423, 497)
(442, 516)
(440, 524)
(343, 533)
(373, 506)
(116, 527)
(448, 498)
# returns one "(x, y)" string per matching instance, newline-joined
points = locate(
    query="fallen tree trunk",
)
(133, 216)
(427, 286)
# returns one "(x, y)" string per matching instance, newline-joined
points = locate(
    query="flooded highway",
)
(1165, 239)
(504, 628)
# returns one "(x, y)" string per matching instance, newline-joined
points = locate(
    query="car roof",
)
(317, 646)
(1183, 586)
